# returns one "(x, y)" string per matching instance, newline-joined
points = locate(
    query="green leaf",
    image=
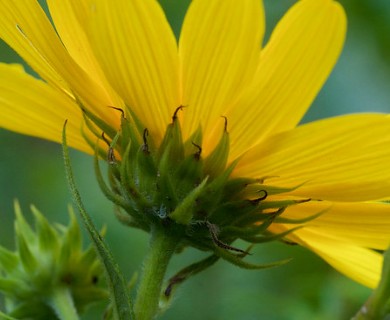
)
(119, 294)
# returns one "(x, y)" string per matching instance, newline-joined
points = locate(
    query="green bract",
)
(49, 271)
(173, 187)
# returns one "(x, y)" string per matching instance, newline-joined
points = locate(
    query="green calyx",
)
(174, 186)
(49, 276)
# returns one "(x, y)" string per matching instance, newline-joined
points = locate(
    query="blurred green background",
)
(32, 171)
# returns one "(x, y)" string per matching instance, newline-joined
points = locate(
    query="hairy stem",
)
(162, 247)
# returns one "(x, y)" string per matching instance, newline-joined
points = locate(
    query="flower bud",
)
(48, 269)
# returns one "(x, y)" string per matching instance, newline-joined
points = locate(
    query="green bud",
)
(49, 272)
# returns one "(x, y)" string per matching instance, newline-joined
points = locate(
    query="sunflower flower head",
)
(49, 270)
(202, 134)
(171, 185)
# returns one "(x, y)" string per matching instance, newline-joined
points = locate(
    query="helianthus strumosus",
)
(108, 55)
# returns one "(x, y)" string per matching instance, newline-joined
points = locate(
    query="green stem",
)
(364, 313)
(162, 247)
(62, 303)
(374, 308)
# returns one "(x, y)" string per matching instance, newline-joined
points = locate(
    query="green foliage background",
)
(32, 171)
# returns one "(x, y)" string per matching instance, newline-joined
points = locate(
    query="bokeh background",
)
(31, 170)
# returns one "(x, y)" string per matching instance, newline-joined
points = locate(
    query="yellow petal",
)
(362, 224)
(219, 49)
(30, 106)
(138, 53)
(344, 158)
(293, 67)
(69, 21)
(360, 264)
(26, 28)
(18, 32)
(72, 35)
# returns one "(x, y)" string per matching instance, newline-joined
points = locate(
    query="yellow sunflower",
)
(103, 54)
